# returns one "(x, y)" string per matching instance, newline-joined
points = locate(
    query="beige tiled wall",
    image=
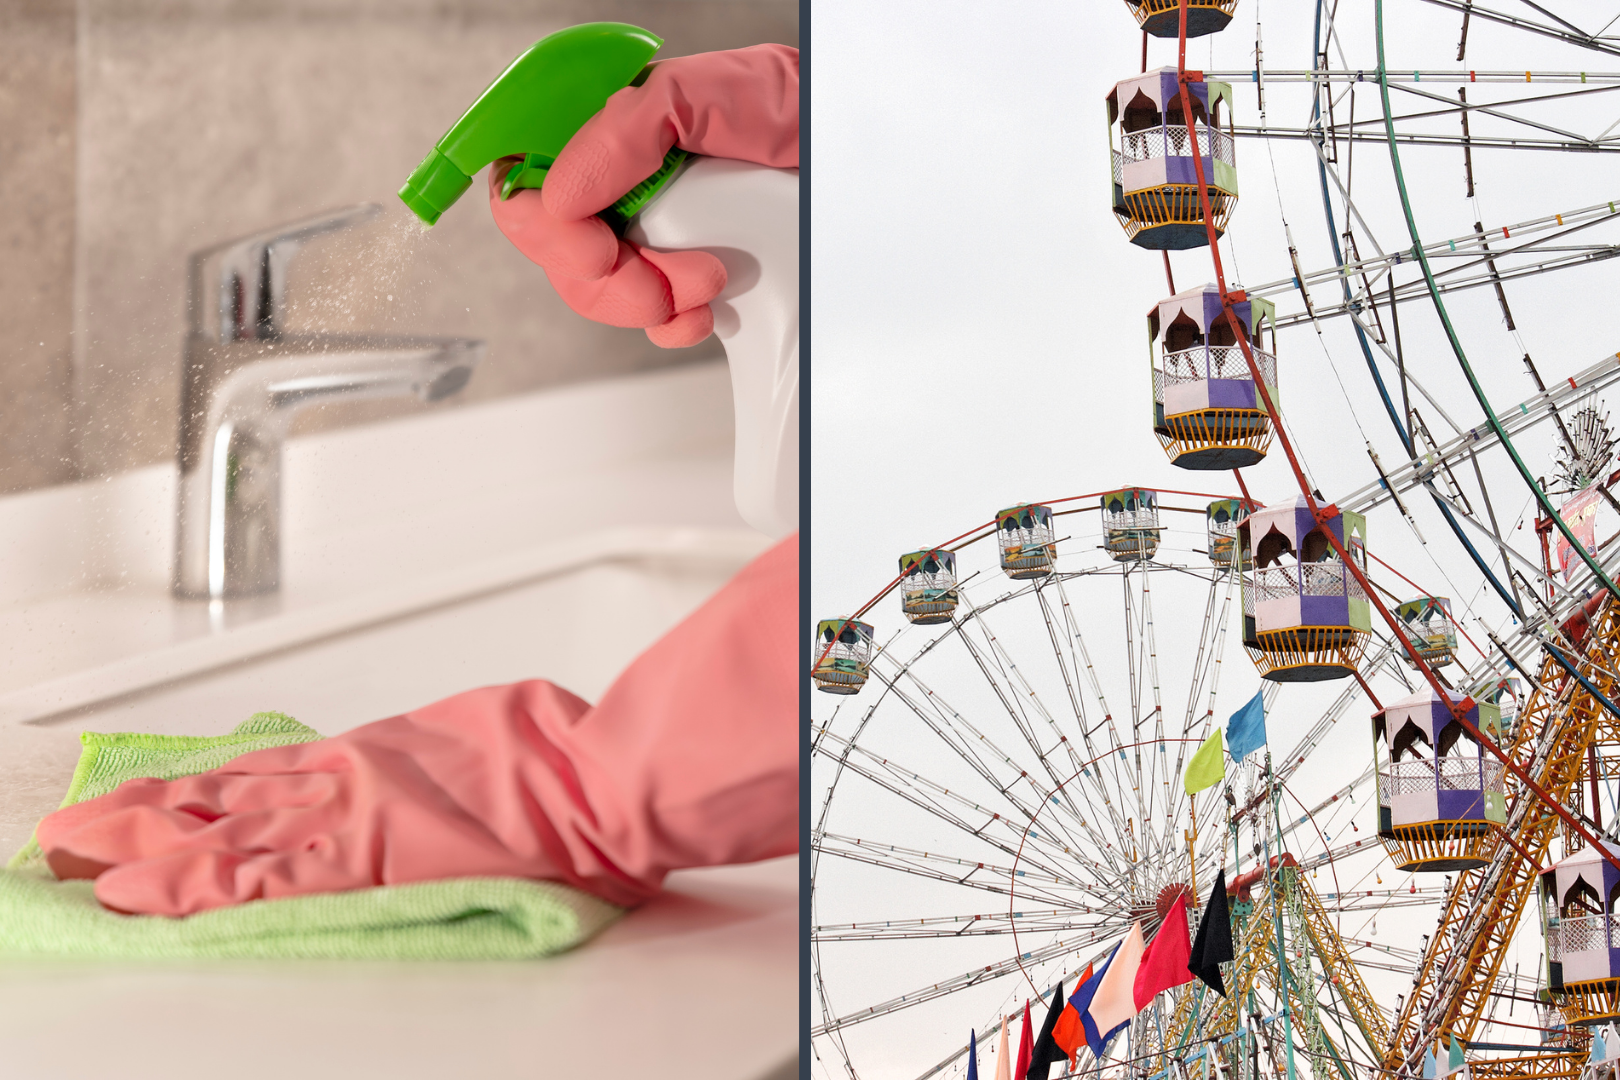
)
(135, 131)
(36, 242)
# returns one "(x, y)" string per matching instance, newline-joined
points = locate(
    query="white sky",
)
(979, 339)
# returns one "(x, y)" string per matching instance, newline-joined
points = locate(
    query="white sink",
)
(553, 537)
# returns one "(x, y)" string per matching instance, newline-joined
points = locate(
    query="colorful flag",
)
(1246, 730)
(1455, 1062)
(1164, 963)
(1113, 1004)
(1213, 945)
(1026, 1047)
(1081, 1002)
(1580, 514)
(973, 1057)
(1003, 1066)
(1070, 1032)
(1046, 1052)
(1207, 767)
(1431, 1066)
(1611, 1043)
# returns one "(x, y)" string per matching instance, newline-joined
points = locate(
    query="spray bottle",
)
(746, 215)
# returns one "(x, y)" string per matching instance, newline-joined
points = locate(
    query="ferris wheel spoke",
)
(1003, 663)
(1494, 108)
(1206, 669)
(1606, 145)
(972, 977)
(1132, 674)
(1026, 692)
(984, 924)
(931, 797)
(1562, 33)
(1159, 772)
(1361, 129)
(925, 795)
(1329, 77)
(939, 716)
(1353, 215)
(1295, 757)
(1534, 572)
(951, 719)
(967, 873)
(1062, 644)
(1092, 774)
(944, 725)
(1469, 253)
(1064, 669)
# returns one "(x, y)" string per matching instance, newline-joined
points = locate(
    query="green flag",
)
(1207, 767)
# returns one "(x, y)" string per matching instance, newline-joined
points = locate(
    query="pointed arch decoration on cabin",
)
(1155, 184)
(843, 655)
(928, 586)
(1130, 521)
(1025, 540)
(1578, 896)
(1221, 520)
(1439, 792)
(1305, 616)
(1207, 412)
(1426, 622)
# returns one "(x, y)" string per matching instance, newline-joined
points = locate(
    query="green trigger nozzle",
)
(528, 173)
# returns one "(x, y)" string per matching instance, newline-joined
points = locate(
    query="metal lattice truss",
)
(1473, 260)
(1555, 731)
(1324, 986)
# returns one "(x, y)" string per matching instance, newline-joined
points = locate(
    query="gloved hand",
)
(740, 104)
(690, 759)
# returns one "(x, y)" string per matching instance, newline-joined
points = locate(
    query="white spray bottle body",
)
(747, 216)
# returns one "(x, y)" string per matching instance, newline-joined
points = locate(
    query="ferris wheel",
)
(998, 774)
(995, 806)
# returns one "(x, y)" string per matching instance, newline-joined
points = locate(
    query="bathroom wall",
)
(36, 242)
(133, 132)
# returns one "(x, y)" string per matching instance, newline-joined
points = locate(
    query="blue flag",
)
(1246, 731)
(973, 1057)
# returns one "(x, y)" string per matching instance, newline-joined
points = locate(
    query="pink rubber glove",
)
(740, 104)
(690, 759)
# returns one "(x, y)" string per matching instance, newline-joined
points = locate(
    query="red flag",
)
(1164, 962)
(1026, 1047)
(1069, 1033)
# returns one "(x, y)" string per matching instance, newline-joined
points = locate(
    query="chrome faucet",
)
(245, 377)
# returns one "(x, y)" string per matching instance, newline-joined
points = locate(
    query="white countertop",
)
(550, 536)
(701, 983)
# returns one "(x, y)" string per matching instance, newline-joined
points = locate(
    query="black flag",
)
(1047, 1052)
(1213, 945)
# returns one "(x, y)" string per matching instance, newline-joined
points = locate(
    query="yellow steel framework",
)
(1589, 1002)
(1552, 738)
(1308, 653)
(1555, 1065)
(1197, 10)
(1320, 976)
(1173, 204)
(1236, 438)
(1439, 845)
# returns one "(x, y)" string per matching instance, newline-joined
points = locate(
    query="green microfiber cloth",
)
(454, 919)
